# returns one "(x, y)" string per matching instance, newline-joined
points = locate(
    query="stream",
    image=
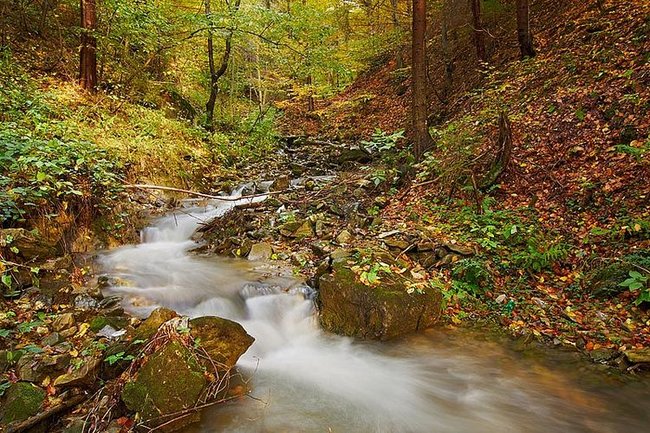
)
(305, 380)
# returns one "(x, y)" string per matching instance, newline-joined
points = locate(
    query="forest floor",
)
(562, 239)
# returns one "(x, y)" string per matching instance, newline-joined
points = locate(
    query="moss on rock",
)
(170, 381)
(224, 340)
(22, 400)
(381, 312)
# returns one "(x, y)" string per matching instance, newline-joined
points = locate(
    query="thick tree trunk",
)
(524, 34)
(216, 74)
(423, 140)
(479, 33)
(88, 51)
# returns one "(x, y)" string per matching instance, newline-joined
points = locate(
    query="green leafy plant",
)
(470, 276)
(540, 254)
(118, 357)
(381, 141)
(637, 282)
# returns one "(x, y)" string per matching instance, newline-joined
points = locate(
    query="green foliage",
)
(470, 276)
(118, 357)
(42, 174)
(638, 282)
(381, 141)
(540, 255)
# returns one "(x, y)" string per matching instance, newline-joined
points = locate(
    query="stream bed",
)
(305, 380)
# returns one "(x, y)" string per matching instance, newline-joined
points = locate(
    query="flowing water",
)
(305, 380)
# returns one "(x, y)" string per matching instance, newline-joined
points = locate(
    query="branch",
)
(200, 194)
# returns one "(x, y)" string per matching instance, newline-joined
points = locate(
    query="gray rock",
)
(260, 251)
(84, 375)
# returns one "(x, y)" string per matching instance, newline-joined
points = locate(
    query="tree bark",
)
(524, 33)
(479, 33)
(216, 74)
(399, 60)
(88, 50)
(423, 140)
(447, 58)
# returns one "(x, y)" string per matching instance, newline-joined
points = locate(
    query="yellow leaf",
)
(74, 353)
(83, 328)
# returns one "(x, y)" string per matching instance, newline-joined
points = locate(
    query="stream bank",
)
(316, 224)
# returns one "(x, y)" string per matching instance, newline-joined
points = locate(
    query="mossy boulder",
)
(384, 311)
(21, 401)
(224, 340)
(169, 382)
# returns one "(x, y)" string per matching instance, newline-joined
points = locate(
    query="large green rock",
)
(349, 307)
(21, 401)
(224, 340)
(169, 382)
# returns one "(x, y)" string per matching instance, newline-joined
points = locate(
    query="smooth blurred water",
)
(305, 380)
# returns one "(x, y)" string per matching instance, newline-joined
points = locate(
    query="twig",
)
(200, 194)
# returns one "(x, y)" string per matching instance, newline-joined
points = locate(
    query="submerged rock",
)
(381, 312)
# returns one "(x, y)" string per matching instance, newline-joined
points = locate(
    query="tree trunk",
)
(447, 58)
(88, 51)
(399, 60)
(524, 34)
(423, 140)
(216, 74)
(479, 33)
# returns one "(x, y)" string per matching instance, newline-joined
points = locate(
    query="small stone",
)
(305, 230)
(638, 355)
(460, 249)
(501, 298)
(541, 304)
(260, 252)
(280, 184)
(340, 253)
(86, 374)
(150, 326)
(399, 244)
(85, 302)
(63, 321)
(345, 237)
(52, 339)
(602, 355)
(68, 332)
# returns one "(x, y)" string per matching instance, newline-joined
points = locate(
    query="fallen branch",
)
(200, 194)
(36, 419)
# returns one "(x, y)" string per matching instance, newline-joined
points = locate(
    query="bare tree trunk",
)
(479, 33)
(524, 34)
(448, 61)
(423, 140)
(399, 59)
(88, 51)
(216, 74)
